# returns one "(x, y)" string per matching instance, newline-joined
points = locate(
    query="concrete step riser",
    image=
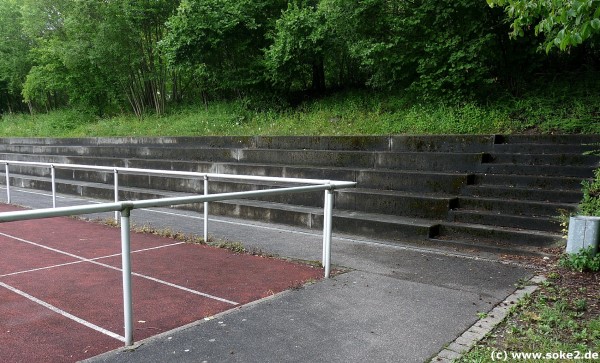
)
(542, 149)
(514, 207)
(548, 159)
(406, 206)
(403, 206)
(495, 236)
(443, 143)
(430, 161)
(549, 139)
(309, 157)
(536, 170)
(558, 196)
(528, 181)
(144, 152)
(527, 223)
(427, 183)
(383, 230)
(293, 218)
(314, 221)
(314, 199)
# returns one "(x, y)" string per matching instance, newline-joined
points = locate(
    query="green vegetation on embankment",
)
(558, 108)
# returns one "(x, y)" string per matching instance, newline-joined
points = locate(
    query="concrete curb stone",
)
(464, 343)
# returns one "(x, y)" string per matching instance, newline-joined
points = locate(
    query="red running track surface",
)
(61, 286)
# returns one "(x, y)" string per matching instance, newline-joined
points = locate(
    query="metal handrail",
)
(125, 208)
(115, 170)
(156, 172)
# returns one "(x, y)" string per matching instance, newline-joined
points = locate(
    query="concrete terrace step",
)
(395, 203)
(502, 237)
(386, 179)
(537, 170)
(366, 200)
(515, 207)
(519, 193)
(127, 151)
(529, 181)
(477, 191)
(354, 222)
(548, 224)
(383, 226)
(351, 159)
(543, 148)
(90, 190)
(546, 159)
(549, 139)
(437, 143)
(443, 143)
(432, 161)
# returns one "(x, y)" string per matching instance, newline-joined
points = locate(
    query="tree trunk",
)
(318, 76)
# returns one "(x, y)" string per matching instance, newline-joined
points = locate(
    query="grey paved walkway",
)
(398, 303)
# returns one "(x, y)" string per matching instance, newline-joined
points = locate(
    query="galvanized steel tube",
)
(116, 190)
(7, 183)
(126, 271)
(53, 176)
(327, 229)
(206, 209)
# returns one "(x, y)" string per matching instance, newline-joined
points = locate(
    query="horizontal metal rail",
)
(160, 173)
(149, 203)
(125, 208)
(174, 173)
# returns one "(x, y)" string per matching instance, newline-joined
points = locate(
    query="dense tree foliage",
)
(14, 49)
(144, 55)
(563, 23)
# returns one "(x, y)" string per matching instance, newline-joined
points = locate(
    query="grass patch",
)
(235, 247)
(563, 315)
(561, 106)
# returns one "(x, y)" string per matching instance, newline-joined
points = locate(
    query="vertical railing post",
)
(116, 187)
(327, 224)
(126, 269)
(206, 209)
(53, 176)
(7, 183)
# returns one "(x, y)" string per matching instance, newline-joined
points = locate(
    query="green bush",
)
(585, 260)
(590, 204)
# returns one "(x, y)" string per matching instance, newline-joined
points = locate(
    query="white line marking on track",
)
(83, 259)
(41, 268)
(63, 313)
